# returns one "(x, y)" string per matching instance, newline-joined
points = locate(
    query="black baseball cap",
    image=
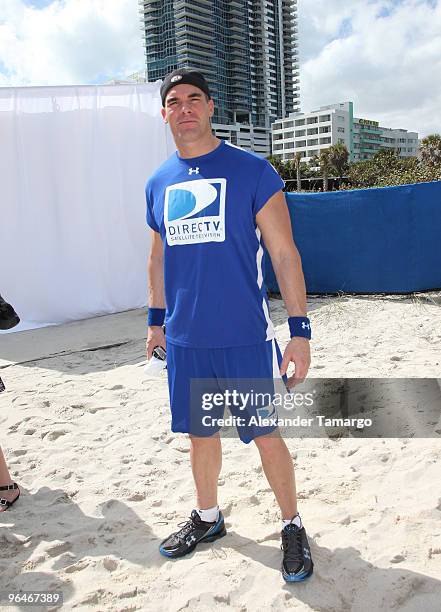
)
(183, 76)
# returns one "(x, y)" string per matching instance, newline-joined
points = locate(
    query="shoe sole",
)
(211, 538)
(296, 578)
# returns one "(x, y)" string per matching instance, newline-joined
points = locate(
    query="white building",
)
(309, 133)
(246, 136)
(370, 137)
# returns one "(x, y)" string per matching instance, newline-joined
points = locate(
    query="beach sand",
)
(87, 436)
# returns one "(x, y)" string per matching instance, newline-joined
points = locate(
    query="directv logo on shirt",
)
(194, 211)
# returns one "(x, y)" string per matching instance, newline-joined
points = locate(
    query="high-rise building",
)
(309, 133)
(247, 51)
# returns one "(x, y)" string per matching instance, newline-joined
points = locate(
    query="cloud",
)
(68, 41)
(385, 55)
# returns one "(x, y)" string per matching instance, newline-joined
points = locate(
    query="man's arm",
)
(275, 225)
(155, 335)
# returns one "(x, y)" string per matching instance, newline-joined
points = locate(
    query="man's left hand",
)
(297, 351)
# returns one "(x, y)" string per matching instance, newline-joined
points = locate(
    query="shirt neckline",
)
(191, 160)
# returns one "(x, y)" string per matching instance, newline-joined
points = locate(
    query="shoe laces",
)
(187, 527)
(292, 544)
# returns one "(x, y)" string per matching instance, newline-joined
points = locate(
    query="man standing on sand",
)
(209, 206)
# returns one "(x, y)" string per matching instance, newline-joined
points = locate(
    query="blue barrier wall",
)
(367, 240)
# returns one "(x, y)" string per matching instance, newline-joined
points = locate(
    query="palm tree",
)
(430, 148)
(297, 160)
(324, 161)
(338, 159)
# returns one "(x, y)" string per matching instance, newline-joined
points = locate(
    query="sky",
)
(384, 55)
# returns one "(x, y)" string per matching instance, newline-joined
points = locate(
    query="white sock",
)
(209, 515)
(295, 521)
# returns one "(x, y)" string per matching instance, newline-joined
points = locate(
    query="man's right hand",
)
(155, 337)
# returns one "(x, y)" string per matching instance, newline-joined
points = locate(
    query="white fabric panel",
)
(73, 166)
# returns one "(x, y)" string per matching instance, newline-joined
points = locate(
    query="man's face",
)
(188, 112)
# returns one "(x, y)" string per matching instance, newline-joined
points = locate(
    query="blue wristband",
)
(300, 326)
(156, 316)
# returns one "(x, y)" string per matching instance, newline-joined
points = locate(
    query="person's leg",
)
(190, 379)
(206, 523)
(206, 463)
(5, 479)
(262, 363)
(297, 564)
(279, 470)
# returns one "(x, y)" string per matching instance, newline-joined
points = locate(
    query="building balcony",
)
(151, 25)
(368, 129)
(368, 141)
(149, 9)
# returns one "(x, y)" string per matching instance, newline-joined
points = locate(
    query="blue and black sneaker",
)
(192, 532)
(297, 564)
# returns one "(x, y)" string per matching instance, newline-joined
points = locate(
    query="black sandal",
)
(4, 503)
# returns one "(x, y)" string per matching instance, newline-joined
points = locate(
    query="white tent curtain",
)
(73, 165)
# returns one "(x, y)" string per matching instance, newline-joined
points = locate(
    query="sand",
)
(103, 479)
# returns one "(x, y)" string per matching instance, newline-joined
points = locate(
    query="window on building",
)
(324, 118)
(311, 120)
(312, 131)
(300, 133)
(325, 141)
(341, 130)
(300, 122)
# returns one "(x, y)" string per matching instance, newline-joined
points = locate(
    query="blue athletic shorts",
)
(195, 374)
